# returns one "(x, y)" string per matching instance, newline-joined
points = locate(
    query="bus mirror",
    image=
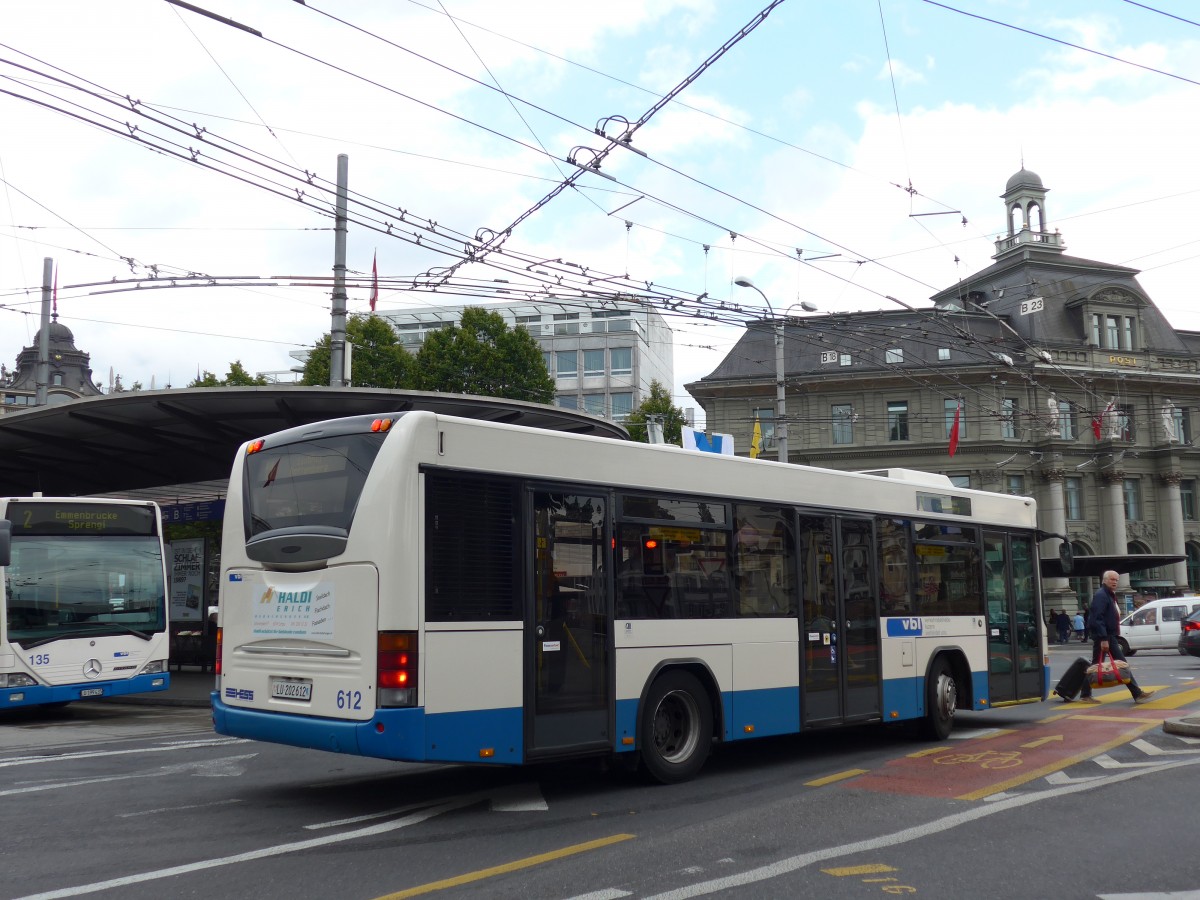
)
(1066, 557)
(5, 541)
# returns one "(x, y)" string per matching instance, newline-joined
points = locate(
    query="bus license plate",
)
(291, 690)
(92, 692)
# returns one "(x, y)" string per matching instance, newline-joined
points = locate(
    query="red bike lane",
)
(975, 768)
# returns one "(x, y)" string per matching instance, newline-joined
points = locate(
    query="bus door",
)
(568, 623)
(1014, 620)
(839, 629)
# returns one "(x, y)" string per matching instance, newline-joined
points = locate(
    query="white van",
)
(1155, 626)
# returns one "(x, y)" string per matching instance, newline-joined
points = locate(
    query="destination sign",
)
(35, 519)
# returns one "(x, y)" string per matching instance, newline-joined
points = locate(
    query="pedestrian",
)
(1106, 626)
(1078, 624)
(1063, 621)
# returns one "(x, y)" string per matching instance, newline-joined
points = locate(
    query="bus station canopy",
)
(1095, 566)
(178, 446)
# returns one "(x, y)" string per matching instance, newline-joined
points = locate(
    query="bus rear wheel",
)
(676, 728)
(941, 701)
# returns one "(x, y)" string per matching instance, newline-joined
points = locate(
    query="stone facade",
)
(1069, 386)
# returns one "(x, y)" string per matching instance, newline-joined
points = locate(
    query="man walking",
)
(1105, 623)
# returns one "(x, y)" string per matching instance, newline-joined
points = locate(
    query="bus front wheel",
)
(941, 701)
(675, 728)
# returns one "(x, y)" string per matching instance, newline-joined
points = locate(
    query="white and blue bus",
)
(432, 588)
(83, 608)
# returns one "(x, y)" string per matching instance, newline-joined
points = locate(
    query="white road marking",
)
(917, 832)
(517, 798)
(265, 852)
(606, 894)
(96, 754)
(163, 809)
(1108, 762)
(1064, 778)
(204, 768)
(1150, 750)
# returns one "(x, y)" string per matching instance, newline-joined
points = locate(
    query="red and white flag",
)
(374, 282)
(1098, 421)
(954, 429)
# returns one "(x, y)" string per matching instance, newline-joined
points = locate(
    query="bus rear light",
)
(381, 424)
(396, 668)
(255, 446)
(217, 657)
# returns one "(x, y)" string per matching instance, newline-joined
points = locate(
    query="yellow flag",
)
(756, 440)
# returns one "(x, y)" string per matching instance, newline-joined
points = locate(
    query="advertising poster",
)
(187, 580)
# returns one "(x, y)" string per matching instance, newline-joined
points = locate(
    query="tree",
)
(237, 376)
(482, 355)
(377, 360)
(657, 403)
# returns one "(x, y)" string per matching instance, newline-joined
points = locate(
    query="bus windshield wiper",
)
(125, 628)
(77, 630)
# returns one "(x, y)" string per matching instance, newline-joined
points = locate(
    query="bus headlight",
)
(155, 666)
(16, 679)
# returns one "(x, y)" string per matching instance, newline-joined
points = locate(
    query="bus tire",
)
(675, 730)
(941, 701)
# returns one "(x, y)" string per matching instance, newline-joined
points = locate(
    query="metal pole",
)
(781, 428)
(43, 359)
(337, 333)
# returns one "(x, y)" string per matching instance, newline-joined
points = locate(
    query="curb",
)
(1188, 726)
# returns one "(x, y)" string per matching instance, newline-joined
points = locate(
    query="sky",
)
(178, 168)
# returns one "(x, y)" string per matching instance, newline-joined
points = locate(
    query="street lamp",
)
(780, 384)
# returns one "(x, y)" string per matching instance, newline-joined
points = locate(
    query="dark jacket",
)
(1103, 618)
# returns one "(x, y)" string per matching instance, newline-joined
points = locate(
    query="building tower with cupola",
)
(69, 372)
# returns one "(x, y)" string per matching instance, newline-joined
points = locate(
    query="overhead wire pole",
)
(337, 333)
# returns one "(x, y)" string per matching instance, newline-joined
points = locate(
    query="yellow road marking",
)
(1061, 764)
(927, 752)
(873, 869)
(830, 779)
(1173, 701)
(999, 732)
(514, 866)
(1042, 741)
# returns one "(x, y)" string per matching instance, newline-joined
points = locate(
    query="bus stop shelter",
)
(178, 446)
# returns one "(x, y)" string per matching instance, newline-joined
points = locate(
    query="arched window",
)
(1035, 217)
(1016, 219)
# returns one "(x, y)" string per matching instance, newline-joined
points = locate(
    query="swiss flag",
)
(954, 429)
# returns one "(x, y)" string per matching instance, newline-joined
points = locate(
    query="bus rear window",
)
(315, 482)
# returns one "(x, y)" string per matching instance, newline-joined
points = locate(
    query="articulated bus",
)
(430, 588)
(83, 600)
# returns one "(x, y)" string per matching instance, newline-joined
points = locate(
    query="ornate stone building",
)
(1066, 381)
(69, 374)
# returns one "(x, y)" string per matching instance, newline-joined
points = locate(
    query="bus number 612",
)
(349, 699)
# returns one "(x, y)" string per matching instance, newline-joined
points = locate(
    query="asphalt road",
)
(1041, 800)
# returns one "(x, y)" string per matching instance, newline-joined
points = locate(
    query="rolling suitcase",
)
(1072, 682)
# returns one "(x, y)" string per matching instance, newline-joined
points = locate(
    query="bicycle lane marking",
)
(973, 770)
